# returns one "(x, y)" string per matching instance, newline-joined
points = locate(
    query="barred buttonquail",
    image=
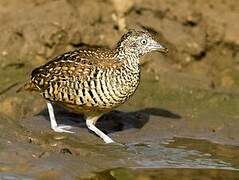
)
(93, 81)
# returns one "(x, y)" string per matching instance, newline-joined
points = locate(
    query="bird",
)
(93, 81)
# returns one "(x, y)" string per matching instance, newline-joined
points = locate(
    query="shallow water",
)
(179, 158)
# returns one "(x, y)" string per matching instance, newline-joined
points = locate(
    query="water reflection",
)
(166, 174)
(8, 176)
(180, 158)
(180, 153)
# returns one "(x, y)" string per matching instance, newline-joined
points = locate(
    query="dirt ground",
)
(190, 92)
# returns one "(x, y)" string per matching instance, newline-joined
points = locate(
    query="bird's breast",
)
(117, 86)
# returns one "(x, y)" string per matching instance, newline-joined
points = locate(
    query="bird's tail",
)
(29, 86)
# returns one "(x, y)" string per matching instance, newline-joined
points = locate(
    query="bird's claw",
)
(63, 129)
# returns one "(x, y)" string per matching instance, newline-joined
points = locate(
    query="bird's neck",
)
(128, 58)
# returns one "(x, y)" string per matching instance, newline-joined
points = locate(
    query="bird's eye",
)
(143, 41)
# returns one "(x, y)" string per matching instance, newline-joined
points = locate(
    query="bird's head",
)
(139, 43)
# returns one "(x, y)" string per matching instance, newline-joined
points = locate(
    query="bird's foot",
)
(108, 140)
(62, 128)
(117, 144)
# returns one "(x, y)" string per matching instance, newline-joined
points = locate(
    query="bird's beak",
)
(158, 47)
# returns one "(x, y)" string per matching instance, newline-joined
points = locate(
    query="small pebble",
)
(65, 151)
(60, 137)
(4, 53)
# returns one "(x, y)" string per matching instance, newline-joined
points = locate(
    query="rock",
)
(227, 81)
(122, 6)
(214, 34)
(231, 30)
(9, 105)
(192, 19)
(65, 151)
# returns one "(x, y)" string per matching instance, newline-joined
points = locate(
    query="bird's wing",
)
(80, 65)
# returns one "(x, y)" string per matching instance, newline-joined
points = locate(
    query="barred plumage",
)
(94, 81)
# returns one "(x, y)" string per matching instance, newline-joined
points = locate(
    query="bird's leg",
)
(90, 122)
(54, 126)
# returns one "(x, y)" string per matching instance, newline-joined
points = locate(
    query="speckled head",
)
(139, 43)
